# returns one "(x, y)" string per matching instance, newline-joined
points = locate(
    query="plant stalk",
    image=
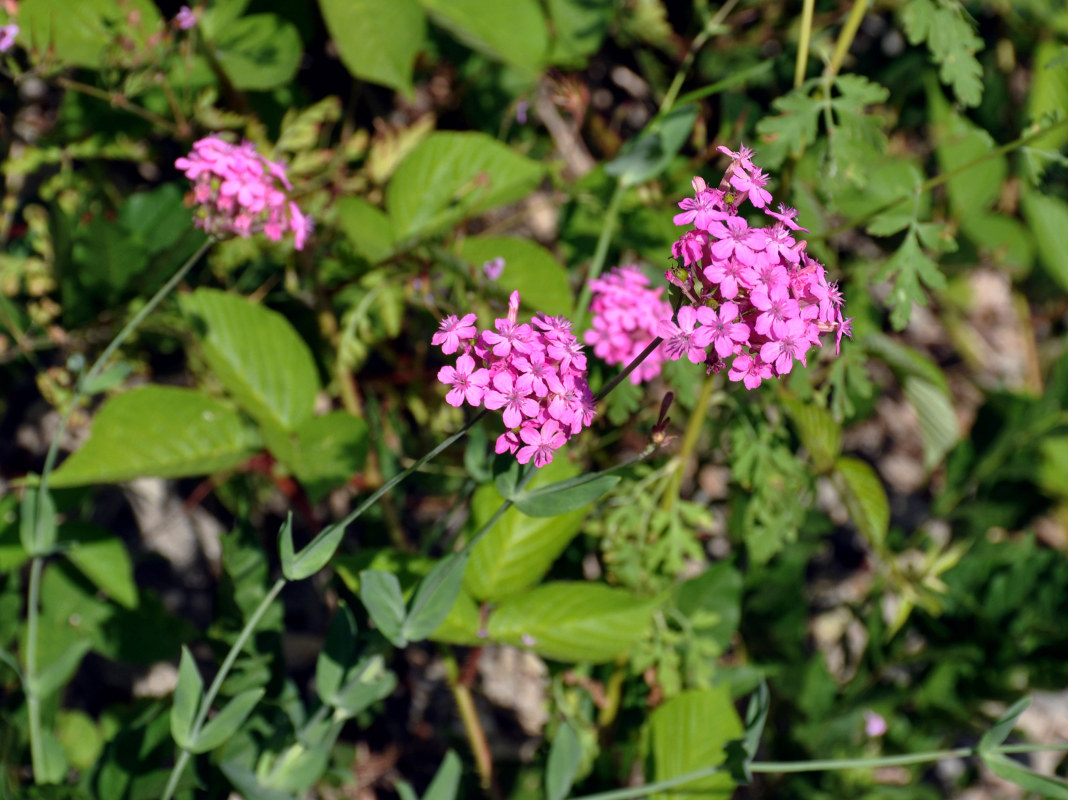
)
(803, 44)
(845, 38)
(689, 443)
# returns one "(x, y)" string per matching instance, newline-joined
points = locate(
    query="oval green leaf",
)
(377, 39)
(529, 269)
(865, 499)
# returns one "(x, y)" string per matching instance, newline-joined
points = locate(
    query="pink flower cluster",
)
(626, 316)
(535, 374)
(753, 293)
(239, 191)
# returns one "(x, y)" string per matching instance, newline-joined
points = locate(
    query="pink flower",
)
(874, 724)
(454, 332)
(494, 268)
(753, 185)
(736, 240)
(185, 18)
(7, 36)
(508, 336)
(513, 395)
(726, 332)
(541, 442)
(683, 339)
(793, 344)
(778, 309)
(625, 315)
(466, 381)
(749, 370)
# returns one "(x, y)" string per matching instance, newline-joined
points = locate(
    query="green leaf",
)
(37, 521)
(370, 683)
(337, 654)
(328, 451)
(579, 27)
(572, 621)
(80, 737)
(817, 430)
(1048, 94)
(1029, 780)
(565, 755)
(245, 781)
(1003, 725)
(258, 51)
(224, 725)
(909, 266)
(315, 555)
(161, 431)
(512, 32)
(938, 419)
(740, 752)
(529, 269)
(102, 557)
(380, 592)
(865, 499)
(518, 550)
(81, 34)
(188, 694)
(717, 592)
(53, 677)
(377, 40)
(691, 731)
(446, 783)
(1047, 217)
(108, 379)
(564, 496)
(451, 176)
(905, 361)
(646, 156)
(367, 227)
(257, 355)
(794, 128)
(54, 765)
(1006, 240)
(435, 597)
(952, 43)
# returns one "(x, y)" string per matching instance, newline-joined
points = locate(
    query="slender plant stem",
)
(780, 767)
(803, 45)
(216, 685)
(465, 705)
(117, 100)
(1034, 132)
(698, 42)
(33, 700)
(611, 216)
(633, 365)
(845, 38)
(689, 442)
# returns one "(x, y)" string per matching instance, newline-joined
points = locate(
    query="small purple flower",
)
(454, 332)
(521, 111)
(493, 268)
(7, 36)
(186, 18)
(874, 724)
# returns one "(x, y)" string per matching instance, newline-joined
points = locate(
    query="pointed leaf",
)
(380, 592)
(159, 431)
(337, 654)
(108, 379)
(245, 781)
(865, 499)
(367, 227)
(377, 40)
(315, 555)
(327, 452)
(224, 725)
(564, 758)
(1003, 725)
(565, 496)
(691, 731)
(646, 156)
(572, 621)
(490, 27)
(60, 670)
(1047, 218)
(103, 558)
(1029, 780)
(257, 355)
(37, 521)
(371, 682)
(188, 694)
(435, 597)
(446, 781)
(938, 419)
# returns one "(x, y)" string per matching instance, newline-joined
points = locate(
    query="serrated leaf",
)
(1047, 94)
(103, 558)
(565, 755)
(910, 269)
(952, 43)
(188, 694)
(518, 550)
(564, 496)
(218, 730)
(1047, 218)
(1029, 780)
(794, 127)
(377, 40)
(529, 269)
(257, 355)
(380, 593)
(572, 621)
(490, 27)
(865, 499)
(817, 430)
(446, 782)
(159, 431)
(454, 175)
(1003, 726)
(691, 731)
(938, 419)
(435, 596)
(367, 228)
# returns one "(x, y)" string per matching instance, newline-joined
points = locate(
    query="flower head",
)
(626, 314)
(7, 36)
(186, 18)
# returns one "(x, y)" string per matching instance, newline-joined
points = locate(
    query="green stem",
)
(33, 701)
(611, 216)
(845, 38)
(1034, 132)
(816, 766)
(689, 442)
(803, 45)
(216, 685)
(465, 705)
(638, 359)
(706, 33)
